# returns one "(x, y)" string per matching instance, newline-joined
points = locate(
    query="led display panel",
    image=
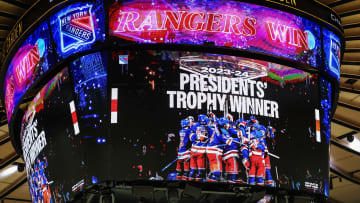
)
(220, 23)
(332, 51)
(326, 101)
(79, 141)
(179, 115)
(326, 98)
(31, 61)
(164, 115)
(50, 144)
(89, 74)
(77, 27)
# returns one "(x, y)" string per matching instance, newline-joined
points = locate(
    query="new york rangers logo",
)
(76, 28)
(335, 55)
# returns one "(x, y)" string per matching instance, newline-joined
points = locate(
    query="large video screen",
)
(79, 141)
(51, 146)
(31, 60)
(220, 23)
(173, 115)
(178, 115)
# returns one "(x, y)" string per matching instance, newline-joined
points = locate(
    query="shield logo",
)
(123, 59)
(335, 55)
(76, 28)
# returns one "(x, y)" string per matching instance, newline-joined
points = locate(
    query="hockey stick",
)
(171, 163)
(273, 155)
(270, 154)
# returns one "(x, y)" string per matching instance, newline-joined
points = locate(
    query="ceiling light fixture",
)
(9, 171)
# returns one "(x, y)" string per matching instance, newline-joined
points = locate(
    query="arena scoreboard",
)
(217, 93)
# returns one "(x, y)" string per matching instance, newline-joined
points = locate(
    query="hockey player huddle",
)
(39, 185)
(218, 145)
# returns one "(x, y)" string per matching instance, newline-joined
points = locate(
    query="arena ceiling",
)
(345, 128)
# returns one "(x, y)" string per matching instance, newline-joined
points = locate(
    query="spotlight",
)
(350, 138)
(8, 171)
(20, 167)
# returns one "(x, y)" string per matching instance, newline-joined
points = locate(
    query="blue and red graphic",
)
(335, 55)
(29, 63)
(22, 72)
(76, 28)
(123, 59)
(332, 50)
